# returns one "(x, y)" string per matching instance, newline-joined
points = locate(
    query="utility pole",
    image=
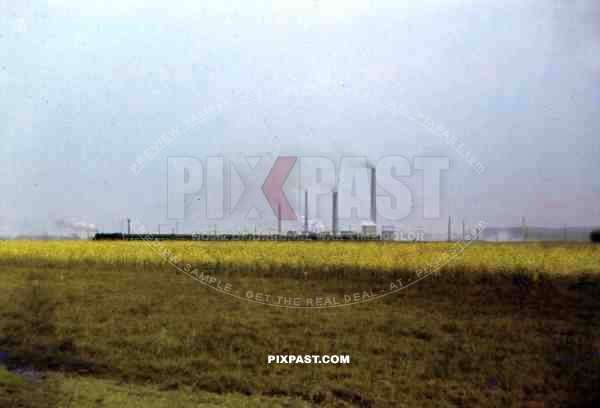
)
(128, 226)
(463, 229)
(449, 228)
(565, 232)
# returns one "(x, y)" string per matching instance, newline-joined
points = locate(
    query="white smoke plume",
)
(8, 222)
(76, 226)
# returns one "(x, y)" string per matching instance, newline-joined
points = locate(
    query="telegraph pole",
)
(449, 228)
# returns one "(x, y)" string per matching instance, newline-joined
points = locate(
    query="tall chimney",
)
(373, 196)
(334, 216)
(279, 218)
(305, 210)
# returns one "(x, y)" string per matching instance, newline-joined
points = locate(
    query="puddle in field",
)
(28, 373)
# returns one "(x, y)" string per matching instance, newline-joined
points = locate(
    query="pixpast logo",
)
(354, 180)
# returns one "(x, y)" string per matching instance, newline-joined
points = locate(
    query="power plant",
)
(368, 229)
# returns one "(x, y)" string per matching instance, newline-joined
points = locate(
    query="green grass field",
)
(114, 325)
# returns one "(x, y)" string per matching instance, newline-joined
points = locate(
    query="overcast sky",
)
(87, 87)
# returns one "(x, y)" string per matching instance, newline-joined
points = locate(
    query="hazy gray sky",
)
(86, 87)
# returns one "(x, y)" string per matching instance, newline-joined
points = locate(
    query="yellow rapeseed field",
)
(311, 257)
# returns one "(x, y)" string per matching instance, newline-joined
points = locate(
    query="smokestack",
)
(334, 216)
(128, 226)
(305, 210)
(373, 196)
(279, 218)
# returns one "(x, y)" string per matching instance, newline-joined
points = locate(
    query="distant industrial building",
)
(369, 229)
